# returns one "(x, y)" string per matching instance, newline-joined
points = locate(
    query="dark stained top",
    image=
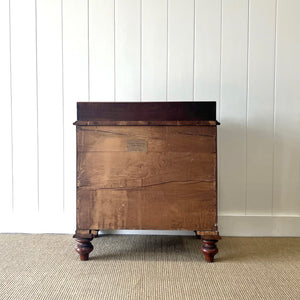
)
(147, 113)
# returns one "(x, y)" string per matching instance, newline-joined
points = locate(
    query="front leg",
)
(84, 246)
(209, 248)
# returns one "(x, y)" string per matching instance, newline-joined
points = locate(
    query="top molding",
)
(146, 113)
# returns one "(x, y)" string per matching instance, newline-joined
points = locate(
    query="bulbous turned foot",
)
(84, 247)
(209, 249)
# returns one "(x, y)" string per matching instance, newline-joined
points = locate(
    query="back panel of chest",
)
(146, 177)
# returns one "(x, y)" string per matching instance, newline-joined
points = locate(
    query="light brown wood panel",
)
(180, 205)
(135, 169)
(159, 138)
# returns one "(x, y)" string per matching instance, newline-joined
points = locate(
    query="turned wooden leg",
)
(209, 249)
(84, 247)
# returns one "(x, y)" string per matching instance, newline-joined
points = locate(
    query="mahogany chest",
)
(148, 165)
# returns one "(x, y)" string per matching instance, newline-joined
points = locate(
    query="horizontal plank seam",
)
(149, 185)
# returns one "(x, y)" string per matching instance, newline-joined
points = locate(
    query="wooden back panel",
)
(146, 177)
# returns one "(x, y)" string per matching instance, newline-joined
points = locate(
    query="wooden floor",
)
(148, 267)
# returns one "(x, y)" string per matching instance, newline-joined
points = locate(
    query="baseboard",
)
(62, 223)
(229, 225)
(259, 225)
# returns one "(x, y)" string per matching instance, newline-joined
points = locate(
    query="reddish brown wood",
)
(163, 206)
(147, 111)
(209, 248)
(160, 139)
(126, 170)
(165, 179)
(146, 123)
(84, 247)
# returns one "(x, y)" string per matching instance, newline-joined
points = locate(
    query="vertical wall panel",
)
(207, 49)
(154, 49)
(233, 107)
(128, 50)
(55, 53)
(75, 66)
(6, 142)
(260, 107)
(181, 50)
(287, 111)
(101, 41)
(24, 105)
(50, 105)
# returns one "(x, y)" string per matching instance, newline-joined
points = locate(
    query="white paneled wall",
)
(154, 50)
(24, 103)
(6, 202)
(245, 54)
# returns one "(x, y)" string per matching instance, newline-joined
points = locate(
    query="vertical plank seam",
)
(63, 101)
(141, 49)
(37, 110)
(115, 51)
(247, 116)
(274, 104)
(11, 110)
(167, 60)
(88, 46)
(194, 37)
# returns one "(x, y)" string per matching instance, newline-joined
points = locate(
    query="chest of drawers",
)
(150, 165)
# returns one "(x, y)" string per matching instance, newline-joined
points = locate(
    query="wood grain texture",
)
(170, 206)
(170, 185)
(199, 139)
(135, 169)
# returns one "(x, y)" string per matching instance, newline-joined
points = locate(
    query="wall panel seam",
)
(11, 113)
(220, 98)
(63, 101)
(274, 102)
(247, 109)
(37, 109)
(115, 51)
(220, 60)
(167, 60)
(88, 50)
(194, 37)
(141, 48)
